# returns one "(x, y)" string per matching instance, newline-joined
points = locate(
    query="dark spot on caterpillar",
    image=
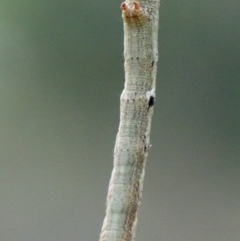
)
(152, 63)
(123, 6)
(151, 101)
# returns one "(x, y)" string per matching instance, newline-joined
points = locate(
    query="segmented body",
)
(136, 109)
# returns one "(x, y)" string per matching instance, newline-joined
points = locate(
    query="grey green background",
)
(61, 76)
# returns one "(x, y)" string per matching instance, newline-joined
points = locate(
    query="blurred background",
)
(61, 76)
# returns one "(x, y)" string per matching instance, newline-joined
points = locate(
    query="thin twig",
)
(136, 110)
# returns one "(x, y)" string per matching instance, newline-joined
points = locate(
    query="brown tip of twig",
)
(123, 6)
